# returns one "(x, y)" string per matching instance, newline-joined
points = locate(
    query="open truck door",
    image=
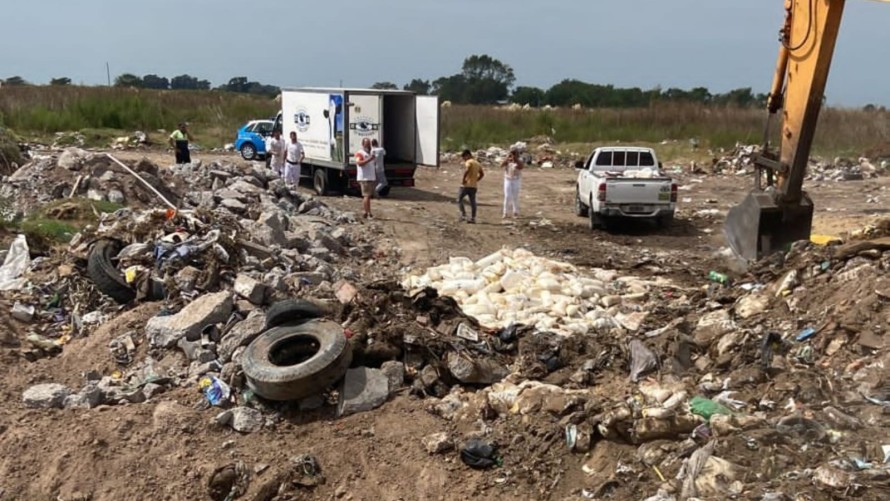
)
(426, 113)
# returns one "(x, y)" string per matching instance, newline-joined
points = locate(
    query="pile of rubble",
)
(740, 162)
(545, 154)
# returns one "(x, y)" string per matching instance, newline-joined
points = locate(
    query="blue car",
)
(251, 139)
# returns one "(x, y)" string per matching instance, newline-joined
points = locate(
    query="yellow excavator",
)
(777, 212)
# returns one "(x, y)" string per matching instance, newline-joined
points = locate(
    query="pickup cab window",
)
(646, 159)
(604, 159)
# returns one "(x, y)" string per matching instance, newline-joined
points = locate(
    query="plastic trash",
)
(480, 454)
(22, 312)
(706, 408)
(464, 331)
(886, 450)
(215, 391)
(642, 360)
(806, 334)
(720, 278)
(17, 261)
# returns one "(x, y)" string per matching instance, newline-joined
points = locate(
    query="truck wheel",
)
(248, 151)
(597, 221)
(105, 276)
(295, 361)
(665, 221)
(580, 208)
(320, 181)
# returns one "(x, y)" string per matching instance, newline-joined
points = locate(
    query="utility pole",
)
(108, 73)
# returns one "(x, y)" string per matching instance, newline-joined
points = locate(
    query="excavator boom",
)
(778, 212)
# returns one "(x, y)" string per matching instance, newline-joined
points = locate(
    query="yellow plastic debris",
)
(825, 239)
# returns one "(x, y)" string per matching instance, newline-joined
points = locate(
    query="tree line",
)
(481, 80)
(181, 82)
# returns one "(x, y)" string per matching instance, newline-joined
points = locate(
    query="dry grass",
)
(215, 116)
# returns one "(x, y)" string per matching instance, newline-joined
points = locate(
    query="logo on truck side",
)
(364, 126)
(301, 120)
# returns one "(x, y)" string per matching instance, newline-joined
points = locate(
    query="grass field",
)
(101, 113)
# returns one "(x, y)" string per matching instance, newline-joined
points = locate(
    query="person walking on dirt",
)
(382, 188)
(277, 151)
(512, 166)
(293, 160)
(473, 173)
(366, 175)
(179, 140)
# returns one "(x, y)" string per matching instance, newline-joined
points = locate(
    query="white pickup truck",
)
(624, 182)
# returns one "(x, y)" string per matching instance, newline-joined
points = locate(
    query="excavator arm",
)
(778, 212)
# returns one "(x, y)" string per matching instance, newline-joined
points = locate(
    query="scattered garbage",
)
(479, 454)
(15, 264)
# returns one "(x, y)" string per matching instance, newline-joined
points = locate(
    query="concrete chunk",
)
(250, 288)
(242, 419)
(46, 396)
(437, 443)
(395, 374)
(208, 309)
(363, 390)
(241, 334)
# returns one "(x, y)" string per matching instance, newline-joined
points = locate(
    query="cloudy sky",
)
(719, 44)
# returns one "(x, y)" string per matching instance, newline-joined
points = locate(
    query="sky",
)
(718, 44)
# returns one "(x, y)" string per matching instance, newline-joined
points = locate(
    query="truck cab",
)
(624, 181)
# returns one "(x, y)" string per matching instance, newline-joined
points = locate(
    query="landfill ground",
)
(168, 447)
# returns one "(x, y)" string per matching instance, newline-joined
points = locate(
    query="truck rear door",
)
(365, 113)
(427, 118)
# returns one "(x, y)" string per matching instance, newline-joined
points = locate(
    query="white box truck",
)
(331, 123)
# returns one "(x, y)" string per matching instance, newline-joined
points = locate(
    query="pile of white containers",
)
(515, 286)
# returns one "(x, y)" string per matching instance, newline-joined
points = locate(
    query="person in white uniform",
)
(293, 161)
(277, 149)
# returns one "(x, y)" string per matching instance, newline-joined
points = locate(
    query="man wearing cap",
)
(179, 140)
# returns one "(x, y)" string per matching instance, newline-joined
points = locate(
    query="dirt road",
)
(167, 448)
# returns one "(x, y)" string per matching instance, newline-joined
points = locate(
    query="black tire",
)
(295, 361)
(320, 181)
(248, 151)
(102, 272)
(580, 209)
(665, 221)
(594, 219)
(292, 310)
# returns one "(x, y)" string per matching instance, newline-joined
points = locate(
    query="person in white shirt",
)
(512, 166)
(276, 152)
(293, 160)
(366, 175)
(379, 169)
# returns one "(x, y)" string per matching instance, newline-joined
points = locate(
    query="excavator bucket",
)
(759, 227)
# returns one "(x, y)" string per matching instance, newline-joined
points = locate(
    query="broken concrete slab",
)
(363, 390)
(242, 419)
(250, 288)
(437, 443)
(395, 374)
(46, 396)
(209, 309)
(346, 292)
(241, 334)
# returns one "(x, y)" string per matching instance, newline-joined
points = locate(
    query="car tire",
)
(596, 221)
(291, 362)
(248, 151)
(292, 310)
(665, 221)
(104, 275)
(320, 181)
(580, 208)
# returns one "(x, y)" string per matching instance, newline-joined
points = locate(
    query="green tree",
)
(188, 82)
(15, 81)
(60, 81)
(385, 86)
(155, 82)
(531, 96)
(422, 87)
(236, 84)
(128, 80)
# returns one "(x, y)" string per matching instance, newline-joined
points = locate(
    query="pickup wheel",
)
(665, 221)
(580, 209)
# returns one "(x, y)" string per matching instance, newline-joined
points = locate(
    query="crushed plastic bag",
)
(707, 408)
(18, 259)
(479, 454)
(215, 391)
(642, 360)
